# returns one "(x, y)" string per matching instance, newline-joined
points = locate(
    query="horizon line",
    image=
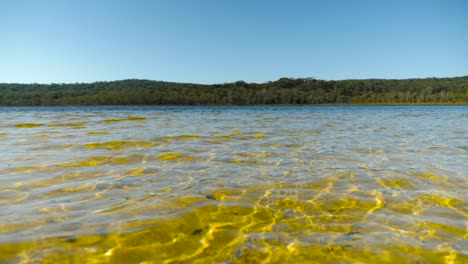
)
(219, 83)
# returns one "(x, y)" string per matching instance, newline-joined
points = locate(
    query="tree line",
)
(287, 91)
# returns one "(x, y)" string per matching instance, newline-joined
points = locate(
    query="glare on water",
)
(234, 185)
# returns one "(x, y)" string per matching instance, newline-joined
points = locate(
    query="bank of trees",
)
(283, 91)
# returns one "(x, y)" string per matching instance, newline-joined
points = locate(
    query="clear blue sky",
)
(214, 41)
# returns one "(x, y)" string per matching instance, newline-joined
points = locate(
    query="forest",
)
(285, 91)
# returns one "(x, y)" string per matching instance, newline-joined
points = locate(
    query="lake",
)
(324, 184)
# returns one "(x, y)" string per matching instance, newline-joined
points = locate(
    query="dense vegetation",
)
(282, 91)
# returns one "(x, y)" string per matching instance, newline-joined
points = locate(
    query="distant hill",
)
(287, 91)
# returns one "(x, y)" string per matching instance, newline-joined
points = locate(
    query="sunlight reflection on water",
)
(234, 184)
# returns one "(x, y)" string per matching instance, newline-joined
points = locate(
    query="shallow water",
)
(234, 185)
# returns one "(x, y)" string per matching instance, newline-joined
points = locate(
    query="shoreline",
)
(256, 105)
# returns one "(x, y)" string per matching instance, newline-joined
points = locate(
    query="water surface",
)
(234, 185)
